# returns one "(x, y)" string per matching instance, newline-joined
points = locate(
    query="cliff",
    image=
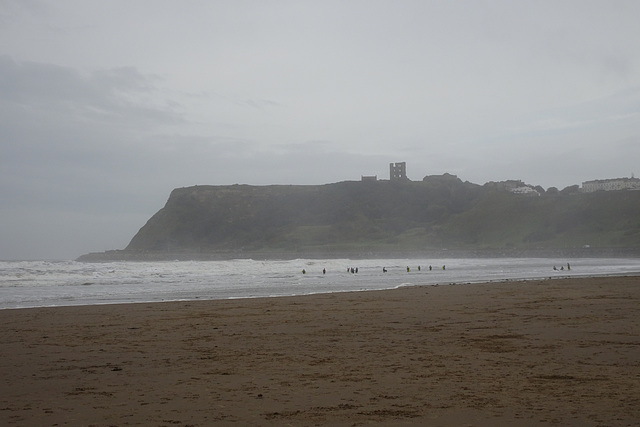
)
(381, 217)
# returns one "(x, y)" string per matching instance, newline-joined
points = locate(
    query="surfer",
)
(384, 269)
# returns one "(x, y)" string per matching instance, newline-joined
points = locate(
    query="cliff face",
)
(293, 217)
(383, 216)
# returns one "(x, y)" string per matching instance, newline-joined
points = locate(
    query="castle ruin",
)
(398, 171)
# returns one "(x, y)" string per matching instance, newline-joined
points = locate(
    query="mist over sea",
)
(26, 284)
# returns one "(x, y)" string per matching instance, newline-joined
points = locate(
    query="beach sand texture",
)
(560, 352)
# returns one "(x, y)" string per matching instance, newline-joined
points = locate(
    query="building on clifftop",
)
(611, 184)
(398, 171)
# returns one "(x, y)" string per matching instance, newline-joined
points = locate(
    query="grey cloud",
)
(15, 10)
(621, 108)
(70, 140)
(260, 103)
(107, 96)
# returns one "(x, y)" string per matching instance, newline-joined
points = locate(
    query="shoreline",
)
(239, 298)
(525, 352)
(136, 255)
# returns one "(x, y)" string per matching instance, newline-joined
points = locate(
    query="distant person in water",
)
(568, 266)
(384, 269)
(408, 269)
(430, 268)
(418, 268)
(324, 271)
(444, 267)
(304, 271)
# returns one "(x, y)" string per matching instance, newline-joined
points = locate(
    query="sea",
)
(25, 284)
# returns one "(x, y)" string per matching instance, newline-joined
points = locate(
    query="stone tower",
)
(398, 171)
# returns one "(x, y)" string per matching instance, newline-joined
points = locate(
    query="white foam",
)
(41, 283)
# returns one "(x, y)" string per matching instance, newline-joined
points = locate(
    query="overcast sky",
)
(106, 106)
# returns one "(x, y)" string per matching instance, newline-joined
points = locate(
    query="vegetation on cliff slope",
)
(438, 212)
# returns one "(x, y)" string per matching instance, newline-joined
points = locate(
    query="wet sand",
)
(562, 352)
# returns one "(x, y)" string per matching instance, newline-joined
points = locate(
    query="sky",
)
(108, 105)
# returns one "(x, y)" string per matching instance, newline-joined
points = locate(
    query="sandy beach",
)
(562, 352)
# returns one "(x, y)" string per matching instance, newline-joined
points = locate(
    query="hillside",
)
(380, 217)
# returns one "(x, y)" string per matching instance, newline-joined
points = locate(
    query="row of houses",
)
(611, 184)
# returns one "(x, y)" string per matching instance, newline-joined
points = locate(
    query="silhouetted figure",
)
(324, 271)
(554, 267)
(356, 269)
(304, 271)
(418, 268)
(568, 266)
(384, 269)
(444, 267)
(408, 269)
(430, 268)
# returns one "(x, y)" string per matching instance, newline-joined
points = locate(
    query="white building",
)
(611, 184)
(528, 191)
